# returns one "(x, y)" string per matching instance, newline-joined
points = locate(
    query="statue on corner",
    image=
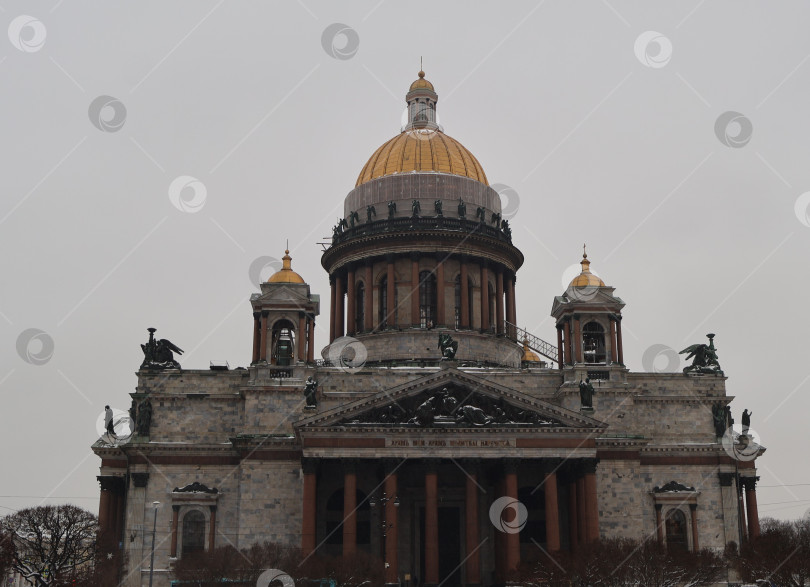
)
(586, 392)
(157, 354)
(704, 358)
(448, 346)
(310, 391)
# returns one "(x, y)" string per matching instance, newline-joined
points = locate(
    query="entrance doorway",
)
(449, 523)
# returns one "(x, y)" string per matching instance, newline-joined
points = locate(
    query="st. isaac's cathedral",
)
(431, 431)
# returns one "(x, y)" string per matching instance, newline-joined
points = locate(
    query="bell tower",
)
(589, 322)
(284, 319)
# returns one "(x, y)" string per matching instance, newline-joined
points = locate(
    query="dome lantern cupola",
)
(421, 99)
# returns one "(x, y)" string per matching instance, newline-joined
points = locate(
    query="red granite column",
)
(577, 340)
(349, 509)
(302, 336)
(573, 523)
(619, 348)
(332, 316)
(351, 305)
(511, 314)
(659, 523)
(582, 522)
(310, 506)
(464, 320)
(473, 561)
(695, 542)
(391, 319)
(263, 337)
(311, 339)
(552, 512)
(508, 293)
(392, 533)
(499, 301)
(511, 491)
(212, 532)
(591, 502)
(415, 321)
(339, 309)
(560, 351)
(614, 356)
(257, 333)
(751, 505)
(431, 527)
(569, 341)
(484, 297)
(368, 309)
(441, 319)
(175, 519)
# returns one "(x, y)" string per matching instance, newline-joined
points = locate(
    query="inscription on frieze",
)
(449, 443)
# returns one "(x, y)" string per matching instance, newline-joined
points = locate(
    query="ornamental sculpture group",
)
(704, 358)
(451, 408)
(158, 354)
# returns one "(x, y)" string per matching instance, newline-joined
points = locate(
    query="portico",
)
(449, 466)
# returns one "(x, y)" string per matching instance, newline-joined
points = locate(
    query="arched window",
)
(593, 343)
(676, 531)
(283, 343)
(193, 532)
(383, 317)
(360, 307)
(457, 298)
(427, 299)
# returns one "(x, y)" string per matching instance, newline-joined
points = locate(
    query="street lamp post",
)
(385, 526)
(156, 507)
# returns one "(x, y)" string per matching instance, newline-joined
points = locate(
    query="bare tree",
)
(781, 554)
(51, 545)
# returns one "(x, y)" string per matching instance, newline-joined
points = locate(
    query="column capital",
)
(588, 466)
(350, 465)
(658, 507)
(212, 508)
(139, 479)
(310, 465)
(470, 465)
(511, 465)
(111, 483)
(726, 479)
(430, 465)
(265, 313)
(390, 465)
(175, 508)
(550, 465)
(256, 315)
(693, 506)
(749, 483)
(389, 257)
(414, 256)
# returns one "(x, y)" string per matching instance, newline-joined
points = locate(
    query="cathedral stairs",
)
(535, 343)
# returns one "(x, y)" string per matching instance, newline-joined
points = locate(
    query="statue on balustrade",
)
(310, 391)
(448, 346)
(462, 208)
(704, 358)
(586, 392)
(370, 211)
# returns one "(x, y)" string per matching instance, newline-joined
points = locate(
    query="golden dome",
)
(422, 150)
(528, 354)
(586, 278)
(421, 83)
(286, 275)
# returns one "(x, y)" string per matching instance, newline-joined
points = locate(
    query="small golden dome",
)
(528, 354)
(586, 278)
(421, 83)
(422, 150)
(286, 275)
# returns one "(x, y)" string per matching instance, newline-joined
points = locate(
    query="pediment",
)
(283, 293)
(450, 399)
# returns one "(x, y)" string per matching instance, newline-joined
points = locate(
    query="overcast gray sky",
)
(602, 116)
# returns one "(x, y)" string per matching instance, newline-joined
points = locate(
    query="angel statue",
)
(448, 346)
(157, 354)
(370, 211)
(705, 358)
